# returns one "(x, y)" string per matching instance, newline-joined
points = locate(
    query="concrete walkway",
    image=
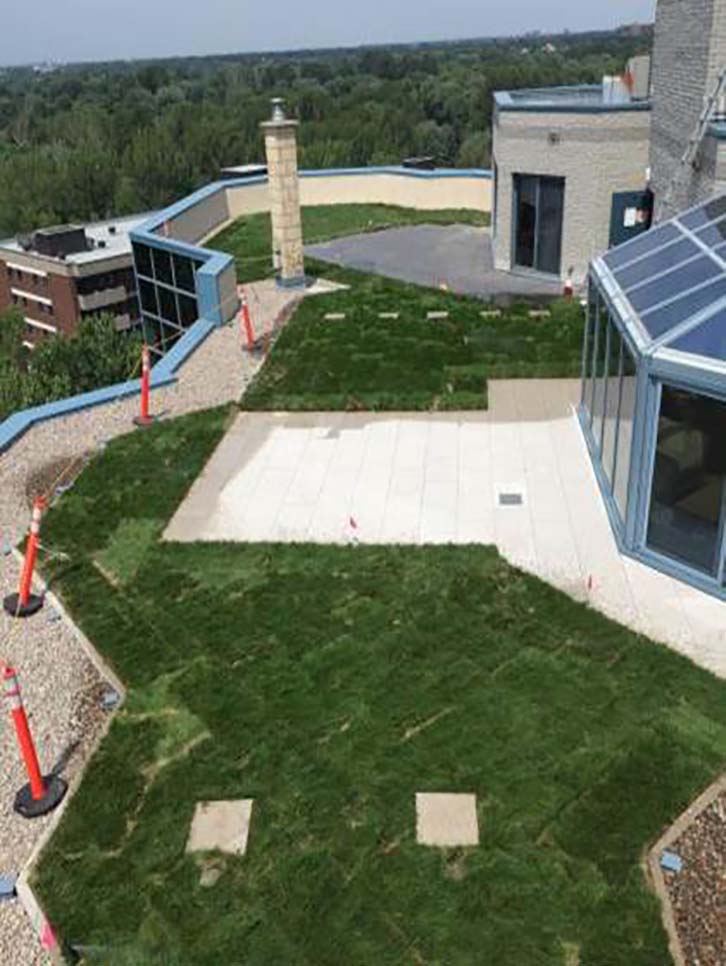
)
(459, 255)
(439, 478)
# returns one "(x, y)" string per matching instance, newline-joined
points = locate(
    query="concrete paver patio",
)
(437, 478)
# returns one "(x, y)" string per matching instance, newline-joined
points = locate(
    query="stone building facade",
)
(689, 51)
(594, 148)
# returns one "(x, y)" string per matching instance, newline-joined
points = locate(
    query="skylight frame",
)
(634, 322)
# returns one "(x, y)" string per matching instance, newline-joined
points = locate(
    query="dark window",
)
(643, 245)
(147, 293)
(187, 310)
(184, 273)
(142, 257)
(674, 283)
(538, 211)
(687, 494)
(708, 212)
(162, 267)
(656, 263)
(167, 304)
(673, 313)
(708, 339)
(152, 332)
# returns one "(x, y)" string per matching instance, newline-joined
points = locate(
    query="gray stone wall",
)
(597, 154)
(689, 51)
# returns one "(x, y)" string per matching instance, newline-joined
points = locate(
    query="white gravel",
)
(60, 685)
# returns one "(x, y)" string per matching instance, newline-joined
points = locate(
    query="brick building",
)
(58, 276)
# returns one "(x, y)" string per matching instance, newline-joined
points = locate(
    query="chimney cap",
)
(278, 109)
(279, 120)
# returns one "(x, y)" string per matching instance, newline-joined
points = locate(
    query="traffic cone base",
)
(29, 807)
(144, 421)
(13, 606)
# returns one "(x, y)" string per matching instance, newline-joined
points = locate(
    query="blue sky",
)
(101, 30)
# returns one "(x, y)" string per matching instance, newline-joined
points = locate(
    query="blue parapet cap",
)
(213, 309)
(578, 99)
(163, 374)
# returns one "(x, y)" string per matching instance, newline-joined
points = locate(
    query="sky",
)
(75, 30)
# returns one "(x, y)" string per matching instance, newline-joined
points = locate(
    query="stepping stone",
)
(7, 886)
(671, 862)
(334, 316)
(491, 313)
(437, 315)
(540, 314)
(446, 820)
(221, 827)
(388, 315)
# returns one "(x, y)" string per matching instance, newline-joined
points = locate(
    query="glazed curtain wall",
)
(687, 515)
(608, 397)
(167, 295)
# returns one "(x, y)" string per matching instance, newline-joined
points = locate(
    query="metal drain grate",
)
(511, 499)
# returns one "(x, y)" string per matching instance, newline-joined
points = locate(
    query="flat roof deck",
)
(583, 98)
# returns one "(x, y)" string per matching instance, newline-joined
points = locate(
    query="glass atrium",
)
(653, 406)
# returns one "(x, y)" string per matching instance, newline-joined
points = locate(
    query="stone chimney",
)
(287, 241)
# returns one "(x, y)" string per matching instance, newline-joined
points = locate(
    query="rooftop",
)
(668, 287)
(584, 98)
(107, 239)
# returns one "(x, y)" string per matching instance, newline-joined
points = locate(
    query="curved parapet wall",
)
(169, 246)
(191, 289)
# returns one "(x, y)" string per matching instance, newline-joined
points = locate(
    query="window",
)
(612, 401)
(188, 312)
(689, 475)
(147, 294)
(162, 267)
(538, 214)
(167, 304)
(184, 273)
(624, 434)
(142, 258)
(602, 351)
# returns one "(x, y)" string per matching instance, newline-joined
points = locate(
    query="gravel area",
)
(216, 373)
(60, 685)
(698, 891)
(61, 690)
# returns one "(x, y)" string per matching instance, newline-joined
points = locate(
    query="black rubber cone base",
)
(29, 807)
(144, 421)
(13, 606)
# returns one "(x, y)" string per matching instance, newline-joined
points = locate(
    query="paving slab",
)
(221, 826)
(413, 478)
(446, 820)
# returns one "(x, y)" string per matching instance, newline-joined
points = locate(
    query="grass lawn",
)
(330, 684)
(249, 239)
(410, 363)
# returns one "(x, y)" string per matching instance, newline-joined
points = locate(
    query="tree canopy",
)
(93, 141)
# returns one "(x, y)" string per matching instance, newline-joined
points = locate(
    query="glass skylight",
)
(672, 275)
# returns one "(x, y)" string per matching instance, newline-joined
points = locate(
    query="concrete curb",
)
(33, 909)
(654, 872)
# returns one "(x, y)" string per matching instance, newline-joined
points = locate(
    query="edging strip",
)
(653, 866)
(38, 920)
(163, 374)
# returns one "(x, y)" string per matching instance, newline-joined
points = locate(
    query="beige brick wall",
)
(596, 154)
(284, 196)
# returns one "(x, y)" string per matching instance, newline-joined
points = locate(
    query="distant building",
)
(578, 169)
(58, 276)
(569, 174)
